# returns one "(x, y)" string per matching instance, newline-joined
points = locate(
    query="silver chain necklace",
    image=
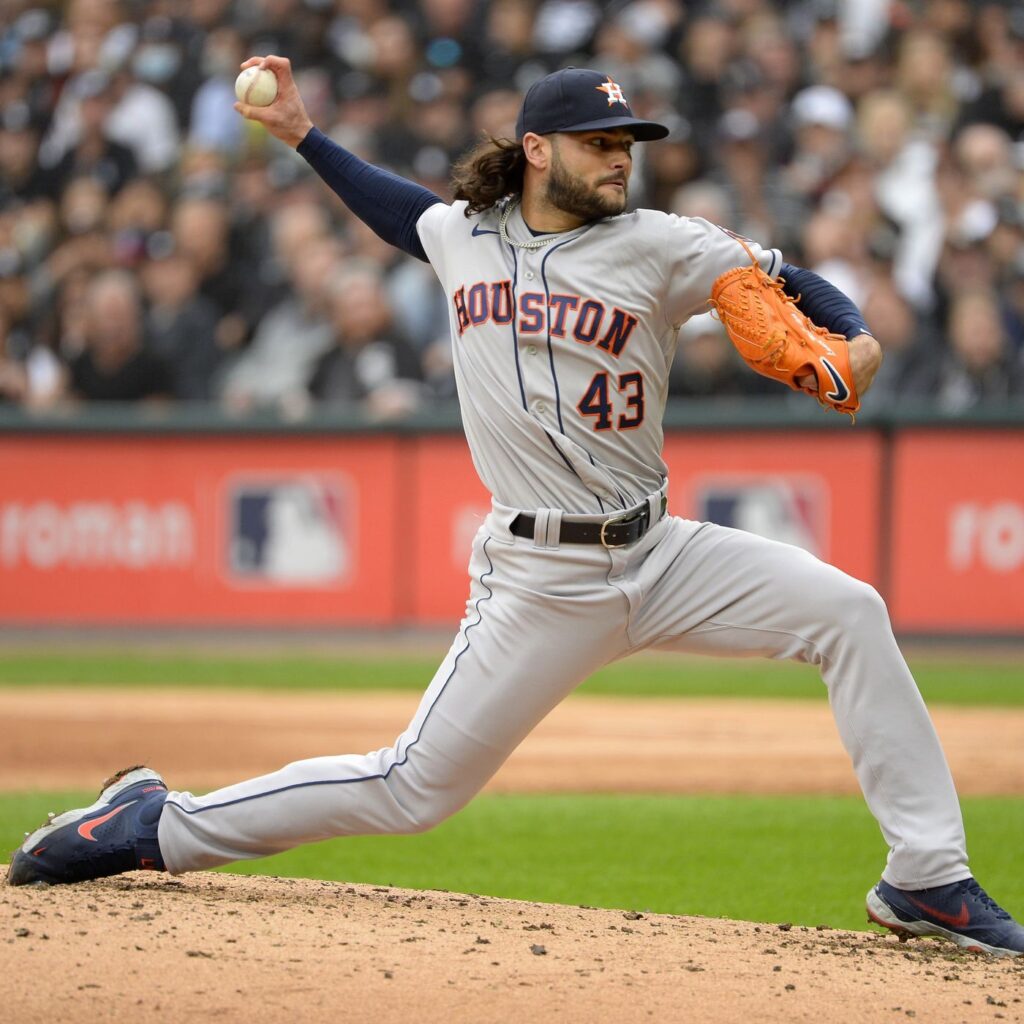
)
(537, 243)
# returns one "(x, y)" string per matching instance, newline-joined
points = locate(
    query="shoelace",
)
(971, 888)
(794, 300)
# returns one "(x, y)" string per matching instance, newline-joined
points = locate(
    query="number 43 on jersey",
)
(624, 410)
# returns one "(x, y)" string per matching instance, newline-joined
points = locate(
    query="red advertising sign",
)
(197, 530)
(450, 503)
(359, 530)
(817, 491)
(958, 531)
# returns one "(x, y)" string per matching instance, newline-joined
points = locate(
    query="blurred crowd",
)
(156, 246)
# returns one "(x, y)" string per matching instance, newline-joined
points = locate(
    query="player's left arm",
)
(828, 307)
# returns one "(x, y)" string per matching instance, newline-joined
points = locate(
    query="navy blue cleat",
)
(961, 912)
(115, 834)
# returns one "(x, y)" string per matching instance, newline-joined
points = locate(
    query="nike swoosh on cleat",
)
(85, 830)
(961, 920)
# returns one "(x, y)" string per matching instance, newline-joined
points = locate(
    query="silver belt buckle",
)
(615, 521)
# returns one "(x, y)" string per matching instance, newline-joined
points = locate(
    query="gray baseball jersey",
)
(563, 384)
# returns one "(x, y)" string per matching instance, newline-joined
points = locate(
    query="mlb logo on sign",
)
(290, 531)
(793, 510)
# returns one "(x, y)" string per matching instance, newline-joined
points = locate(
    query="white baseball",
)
(256, 86)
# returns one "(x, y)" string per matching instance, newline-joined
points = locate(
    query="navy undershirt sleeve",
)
(389, 204)
(825, 304)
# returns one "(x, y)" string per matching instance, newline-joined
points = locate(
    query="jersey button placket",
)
(538, 385)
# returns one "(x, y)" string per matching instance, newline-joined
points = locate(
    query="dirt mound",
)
(231, 948)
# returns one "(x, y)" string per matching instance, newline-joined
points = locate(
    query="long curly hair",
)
(490, 171)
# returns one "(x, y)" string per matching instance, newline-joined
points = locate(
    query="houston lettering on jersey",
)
(587, 321)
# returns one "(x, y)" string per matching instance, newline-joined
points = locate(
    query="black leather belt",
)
(614, 532)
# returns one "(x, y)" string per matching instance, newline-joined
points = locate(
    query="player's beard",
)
(573, 195)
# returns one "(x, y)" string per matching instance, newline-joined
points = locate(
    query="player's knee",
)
(859, 606)
(427, 816)
(867, 602)
(832, 598)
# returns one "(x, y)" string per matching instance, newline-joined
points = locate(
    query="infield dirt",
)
(231, 948)
(72, 739)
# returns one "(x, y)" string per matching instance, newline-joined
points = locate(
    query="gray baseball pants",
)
(540, 619)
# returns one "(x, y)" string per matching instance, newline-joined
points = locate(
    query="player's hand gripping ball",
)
(256, 86)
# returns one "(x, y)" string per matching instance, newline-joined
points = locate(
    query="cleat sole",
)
(880, 913)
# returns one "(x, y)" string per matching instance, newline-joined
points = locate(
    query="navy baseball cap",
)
(579, 100)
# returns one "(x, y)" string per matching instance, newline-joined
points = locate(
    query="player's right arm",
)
(388, 203)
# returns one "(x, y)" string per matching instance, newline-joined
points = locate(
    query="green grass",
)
(982, 682)
(808, 860)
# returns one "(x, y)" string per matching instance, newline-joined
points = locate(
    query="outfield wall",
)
(199, 521)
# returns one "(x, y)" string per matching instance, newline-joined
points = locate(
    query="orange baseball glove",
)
(777, 340)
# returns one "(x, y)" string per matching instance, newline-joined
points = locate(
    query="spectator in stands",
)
(984, 155)
(12, 374)
(963, 262)
(20, 179)
(136, 217)
(703, 198)
(1002, 102)
(420, 308)
(978, 365)
(83, 243)
(507, 55)
(144, 119)
(768, 42)
(667, 167)
(25, 62)
(70, 314)
(1005, 251)
(115, 366)
(181, 323)
(94, 153)
(275, 369)
(909, 348)
(213, 123)
(369, 364)
(159, 61)
(904, 166)
(822, 119)
(831, 131)
(432, 133)
(924, 78)
(836, 247)
(707, 48)
(31, 374)
(742, 168)
(201, 231)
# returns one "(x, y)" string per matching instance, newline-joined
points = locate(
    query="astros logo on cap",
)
(614, 92)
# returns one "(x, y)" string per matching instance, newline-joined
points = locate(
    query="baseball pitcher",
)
(564, 309)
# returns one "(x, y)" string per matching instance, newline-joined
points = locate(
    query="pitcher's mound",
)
(218, 947)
